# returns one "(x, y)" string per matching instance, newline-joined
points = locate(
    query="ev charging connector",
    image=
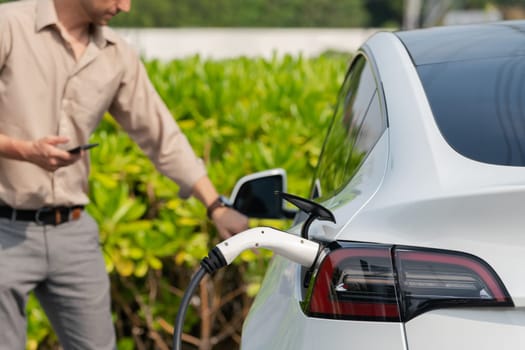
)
(295, 248)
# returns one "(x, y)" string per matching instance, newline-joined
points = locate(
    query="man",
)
(61, 69)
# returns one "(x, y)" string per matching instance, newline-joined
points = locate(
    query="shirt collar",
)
(102, 35)
(46, 16)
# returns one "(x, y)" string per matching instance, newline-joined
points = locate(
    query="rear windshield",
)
(479, 106)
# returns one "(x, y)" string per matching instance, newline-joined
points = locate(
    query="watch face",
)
(224, 201)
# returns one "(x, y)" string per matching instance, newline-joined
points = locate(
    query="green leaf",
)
(155, 263)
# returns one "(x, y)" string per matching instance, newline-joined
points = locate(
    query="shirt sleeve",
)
(5, 39)
(138, 108)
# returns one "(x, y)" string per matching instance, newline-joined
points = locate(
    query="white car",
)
(423, 169)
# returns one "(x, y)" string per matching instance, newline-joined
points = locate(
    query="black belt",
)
(43, 216)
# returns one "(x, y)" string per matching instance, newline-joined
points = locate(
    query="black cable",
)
(214, 261)
(181, 315)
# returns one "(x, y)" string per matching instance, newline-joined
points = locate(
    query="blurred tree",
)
(147, 13)
(290, 13)
(386, 14)
(483, 3)
(426, 13)
(240, 13)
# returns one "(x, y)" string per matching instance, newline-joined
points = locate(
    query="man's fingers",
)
(224, 234)
(56, 140)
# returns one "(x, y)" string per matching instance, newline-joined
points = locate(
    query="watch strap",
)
(217, 203)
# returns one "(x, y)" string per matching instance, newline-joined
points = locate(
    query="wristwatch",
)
(221, 201)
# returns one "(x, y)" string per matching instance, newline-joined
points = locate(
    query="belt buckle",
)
(39, 212)
(75, 213)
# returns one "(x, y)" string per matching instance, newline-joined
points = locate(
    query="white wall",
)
(218, 43)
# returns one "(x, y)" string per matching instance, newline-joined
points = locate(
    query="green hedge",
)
(241, 115)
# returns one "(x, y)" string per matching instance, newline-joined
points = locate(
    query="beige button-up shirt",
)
(45, 91)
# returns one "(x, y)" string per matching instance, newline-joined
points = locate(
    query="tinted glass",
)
(479, 107)
(465, 42)
(370, 131)
(352, 133)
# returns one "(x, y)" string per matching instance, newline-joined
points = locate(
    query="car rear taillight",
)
(386, 283)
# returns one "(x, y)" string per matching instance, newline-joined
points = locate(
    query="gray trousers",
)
(64, 266)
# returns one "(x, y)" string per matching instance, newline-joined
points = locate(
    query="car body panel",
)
(480, 329)
(276, 320)
(347, 203)
(427, 196)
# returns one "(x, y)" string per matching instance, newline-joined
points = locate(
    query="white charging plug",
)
(295, 248)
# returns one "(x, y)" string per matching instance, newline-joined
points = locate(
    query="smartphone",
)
(82, 148)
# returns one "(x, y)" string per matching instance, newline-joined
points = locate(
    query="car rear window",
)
(479, 106)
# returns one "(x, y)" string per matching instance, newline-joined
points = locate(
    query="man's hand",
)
(229, 221)
(45, 154)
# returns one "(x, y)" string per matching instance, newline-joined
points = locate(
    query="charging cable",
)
(295, 248)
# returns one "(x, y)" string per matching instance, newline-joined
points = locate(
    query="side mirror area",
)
(255, 195)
